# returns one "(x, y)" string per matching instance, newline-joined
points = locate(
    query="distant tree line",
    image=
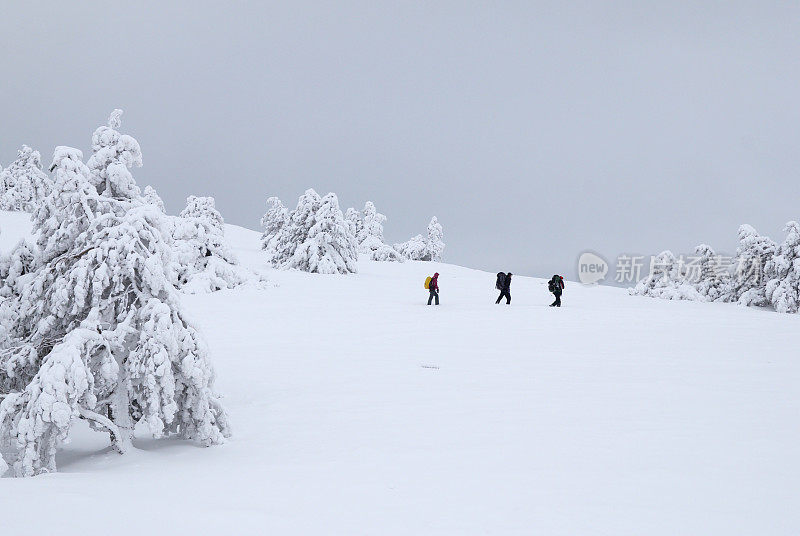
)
(762, 273)
(317, 237)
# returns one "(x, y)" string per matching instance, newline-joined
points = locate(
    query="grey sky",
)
(532, 130)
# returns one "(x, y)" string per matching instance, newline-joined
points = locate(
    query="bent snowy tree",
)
(97, 331)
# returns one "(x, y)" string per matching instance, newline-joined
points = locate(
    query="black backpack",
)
(554, 284)
(501, 280)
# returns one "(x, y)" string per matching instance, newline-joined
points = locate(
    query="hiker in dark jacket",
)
(506, 290)
(556, 286)
(433, 288)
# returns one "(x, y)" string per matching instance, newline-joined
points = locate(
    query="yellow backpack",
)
(428, 282)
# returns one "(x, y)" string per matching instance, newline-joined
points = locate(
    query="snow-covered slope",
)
(359, 410)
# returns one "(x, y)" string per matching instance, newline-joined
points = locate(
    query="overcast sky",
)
(533, 130)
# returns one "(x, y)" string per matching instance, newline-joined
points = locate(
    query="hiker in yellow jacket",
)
(432, 284)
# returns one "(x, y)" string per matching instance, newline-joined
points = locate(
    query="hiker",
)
(504, 286)
(433, 288)
(556, 286)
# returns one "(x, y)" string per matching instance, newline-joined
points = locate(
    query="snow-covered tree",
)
(274, 220)
(420, 248)
(99, 333)
(385, 252)
(783, 288)
(23, 184)
(371, 224)
(316, 238)
(435, 240)
(329, 247)
(205, 262)
(113, 154)
(355, 221)
(68, 210)
(749, 284)
(14, 265)
(666, 281)
(151, 196)
(415, 249)
(296, 229)
(370, 239)
(204, 209)
(714, 280)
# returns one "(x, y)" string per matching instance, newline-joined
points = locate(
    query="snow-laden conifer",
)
(749, 283)
(295, 231)
(714, 280)
(97, 331)
(14, 266)
(328, 246)
(275, 218)
(113, 154)
(371, 223)
(205, 261)
(315, 238)
(370, 238)
(204, 208)
(69, 209)
(151, 196)
(23, 184)
(435, 240)
(424, 248)
(297, 227)
(415, 249)
(783, 288)
(666, 280)
(355, 221)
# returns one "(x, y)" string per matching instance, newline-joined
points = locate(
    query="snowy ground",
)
(359, 410)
